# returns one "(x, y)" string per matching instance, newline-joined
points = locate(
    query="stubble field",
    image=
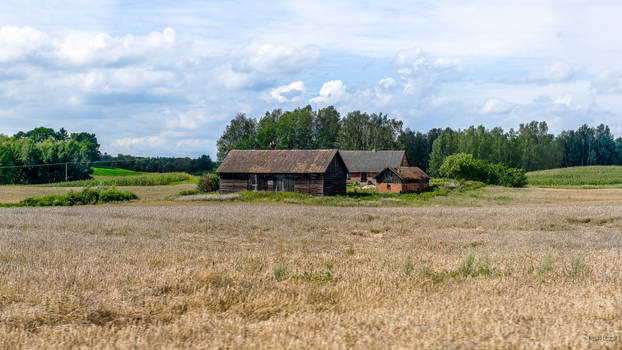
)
(532, 273)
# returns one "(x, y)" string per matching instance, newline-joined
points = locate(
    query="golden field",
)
(512, 268)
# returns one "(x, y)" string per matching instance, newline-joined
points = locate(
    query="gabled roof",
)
(409, 174)
(277, 161)
(371, 161)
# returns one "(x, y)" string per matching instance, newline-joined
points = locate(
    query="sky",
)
(163, 78)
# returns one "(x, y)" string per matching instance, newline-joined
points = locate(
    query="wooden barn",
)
(316, 172)
(402, 179)
(364, 165)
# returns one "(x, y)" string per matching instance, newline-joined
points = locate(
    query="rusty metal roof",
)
(371, 161)
(408, 173)
(277, 161)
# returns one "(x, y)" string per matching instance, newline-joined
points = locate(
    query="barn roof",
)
(277, 161)
(371, 161)
(409, 173)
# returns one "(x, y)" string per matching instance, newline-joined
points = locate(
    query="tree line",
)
(197, 165)
(46, 146)
(39, 156)
(530, 147)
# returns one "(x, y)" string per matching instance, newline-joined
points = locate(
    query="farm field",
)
(110, 171)
(577, 176)
(538, 268)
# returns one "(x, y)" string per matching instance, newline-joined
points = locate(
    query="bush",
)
(464, 166)
(208, 183)
(83, 197)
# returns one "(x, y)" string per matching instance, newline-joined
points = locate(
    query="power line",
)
(67, 163)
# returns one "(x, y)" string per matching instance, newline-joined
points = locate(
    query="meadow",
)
(577, 176)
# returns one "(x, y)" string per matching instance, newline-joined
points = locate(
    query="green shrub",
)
(208, 183)
(83, 197)
(464, 166)
(280, 272)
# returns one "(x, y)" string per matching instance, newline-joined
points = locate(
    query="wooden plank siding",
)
(335, 177)
(312, 184)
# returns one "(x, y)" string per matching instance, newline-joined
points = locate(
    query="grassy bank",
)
(110, 171)
(354, 197)
(577, 176)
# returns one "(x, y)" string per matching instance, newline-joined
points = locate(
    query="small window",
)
(388, 186)
(363, 177)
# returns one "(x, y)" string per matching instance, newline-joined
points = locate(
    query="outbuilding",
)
(365, 165)
(402, 179)
(315, 172)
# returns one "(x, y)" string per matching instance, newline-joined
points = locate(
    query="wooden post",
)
(65, 172)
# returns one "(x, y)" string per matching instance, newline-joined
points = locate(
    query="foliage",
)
(577, 176)
(408, 266)
(322, 276)
(208, 183)
(46, 146)
(281, 273)
(83, 197)
(189, 192)
(149, 179)
(474, 267)
(304, 128)
(465, 166)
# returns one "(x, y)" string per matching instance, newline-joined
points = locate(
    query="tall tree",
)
(240, 133)
(327, 128)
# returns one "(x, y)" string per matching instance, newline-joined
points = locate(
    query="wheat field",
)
(244, 275)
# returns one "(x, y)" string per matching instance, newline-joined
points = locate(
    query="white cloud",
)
(188, 120)
(270, 58)
(120, 80)
(289, 92)
(609, 81)
(81, 48)
(558, 72)
(387, 83)
(129, 142)
(331, 92)
(18, 42)
(495, 106)
(195, 144)
(416, 62)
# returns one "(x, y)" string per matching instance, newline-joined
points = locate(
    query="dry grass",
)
(207, 276)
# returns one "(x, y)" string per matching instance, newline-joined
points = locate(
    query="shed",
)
(316, 172)
(365, 165)
(402, 179)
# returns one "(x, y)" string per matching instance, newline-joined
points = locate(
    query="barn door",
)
(289, 183)
(279, 183)
(252, 182)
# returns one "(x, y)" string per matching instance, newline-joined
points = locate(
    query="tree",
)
(327, 128)
(240, 133)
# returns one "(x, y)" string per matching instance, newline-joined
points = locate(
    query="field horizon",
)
(492, 267)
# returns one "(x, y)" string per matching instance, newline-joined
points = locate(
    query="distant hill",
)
(576, 176)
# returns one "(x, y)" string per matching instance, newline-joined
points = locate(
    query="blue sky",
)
(165, 77)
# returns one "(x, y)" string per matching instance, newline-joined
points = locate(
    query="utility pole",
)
(65, 172)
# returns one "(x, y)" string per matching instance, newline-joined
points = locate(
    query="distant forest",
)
(530, 147)
(37, 156)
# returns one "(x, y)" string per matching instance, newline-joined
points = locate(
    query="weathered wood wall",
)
(302, 183)
(335, 178)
